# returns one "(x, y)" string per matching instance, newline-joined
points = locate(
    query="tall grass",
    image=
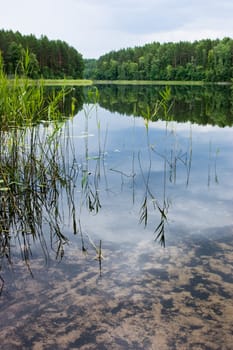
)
(23, 102)
(37, 175)
(32, 174)
(32, 165)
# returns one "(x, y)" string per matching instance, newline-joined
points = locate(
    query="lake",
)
(117, 230)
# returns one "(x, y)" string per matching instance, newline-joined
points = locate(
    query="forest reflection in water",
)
(82, 203)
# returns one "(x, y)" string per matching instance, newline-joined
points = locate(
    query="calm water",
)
(85, 270)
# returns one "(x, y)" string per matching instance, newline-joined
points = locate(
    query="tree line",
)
(205, 60)
(48, 58)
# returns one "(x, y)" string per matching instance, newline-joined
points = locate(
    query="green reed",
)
(32, 165)
(38, 174)
(29, 190)
(23, 102)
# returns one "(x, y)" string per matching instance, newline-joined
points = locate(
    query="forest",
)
(203, 60)
(48, 58)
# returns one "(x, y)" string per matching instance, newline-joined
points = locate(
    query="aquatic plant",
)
(32, 166)
(23, 102)
(148, 198)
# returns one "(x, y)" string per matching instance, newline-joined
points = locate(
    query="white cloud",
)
(96, 27)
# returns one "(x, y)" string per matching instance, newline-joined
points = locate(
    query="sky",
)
(95, 27)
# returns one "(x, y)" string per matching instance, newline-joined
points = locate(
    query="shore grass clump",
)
(23, 102)
(32, 164)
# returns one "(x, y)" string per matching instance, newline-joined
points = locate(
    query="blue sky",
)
(95, 27)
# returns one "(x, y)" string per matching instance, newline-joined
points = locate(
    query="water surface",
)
(119, 184)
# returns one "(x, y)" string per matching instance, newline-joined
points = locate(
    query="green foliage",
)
(23, 102)
(205, 60)
(48, 58)
(90, 68)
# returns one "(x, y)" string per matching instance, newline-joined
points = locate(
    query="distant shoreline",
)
(88, 82)
(147, 82)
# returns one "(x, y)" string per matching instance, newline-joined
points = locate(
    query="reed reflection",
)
(38, 178)
(47, 180)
